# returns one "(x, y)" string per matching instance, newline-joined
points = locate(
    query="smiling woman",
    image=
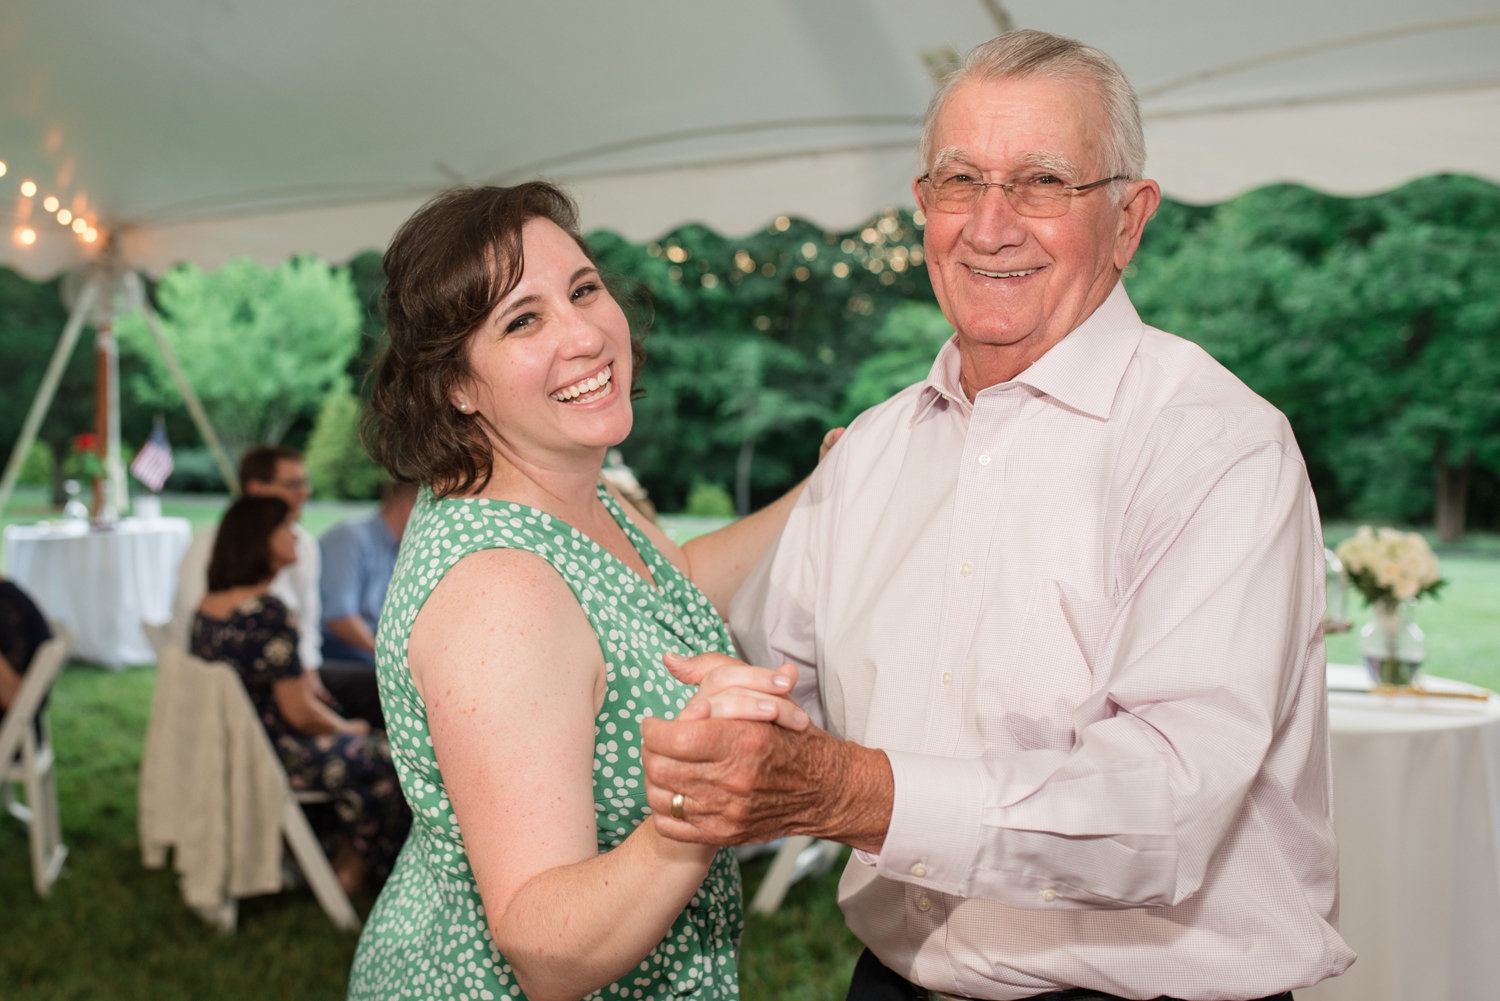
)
(448, 269)
(525, 630)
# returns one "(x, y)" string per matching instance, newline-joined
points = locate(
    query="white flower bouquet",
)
(1389, 566)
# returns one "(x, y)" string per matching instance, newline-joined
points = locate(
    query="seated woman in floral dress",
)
(243, 625)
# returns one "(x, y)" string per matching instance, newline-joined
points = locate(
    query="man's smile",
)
(1020, 273)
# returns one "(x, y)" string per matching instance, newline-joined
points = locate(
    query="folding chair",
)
(796, 857)
(295, 829)
(26, 760)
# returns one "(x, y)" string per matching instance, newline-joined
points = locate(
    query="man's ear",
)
(1140, 205)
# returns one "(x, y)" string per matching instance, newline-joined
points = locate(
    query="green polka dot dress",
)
(428, 937)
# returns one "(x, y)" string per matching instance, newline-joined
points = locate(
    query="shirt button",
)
(919, 870)
(1049, 894)
(984, 460)
(947, 677)
(923, 904)
(965, 569)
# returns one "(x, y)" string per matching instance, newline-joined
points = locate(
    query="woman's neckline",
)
(260, 594)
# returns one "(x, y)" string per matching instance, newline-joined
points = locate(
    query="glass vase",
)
(1391, 644)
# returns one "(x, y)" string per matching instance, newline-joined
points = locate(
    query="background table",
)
(101, 583)
(1416, 788)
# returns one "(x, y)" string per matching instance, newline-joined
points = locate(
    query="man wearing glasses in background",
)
(265, 471)
(1057, 607)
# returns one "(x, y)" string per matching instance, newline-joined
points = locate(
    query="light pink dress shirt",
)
(1081, 616)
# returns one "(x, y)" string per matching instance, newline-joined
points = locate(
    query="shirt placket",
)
(967, 567)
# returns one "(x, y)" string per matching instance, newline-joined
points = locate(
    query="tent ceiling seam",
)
(1352, 97)
(1348, 41)
(291, 202)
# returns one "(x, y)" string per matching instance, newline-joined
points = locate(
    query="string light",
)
(64, 216)
(26, 235)
(3, 168)
(79, 225)
(50, 203)
(28, 188)
(91, 234)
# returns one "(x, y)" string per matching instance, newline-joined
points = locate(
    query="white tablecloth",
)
(1416, 788)
(101, 584)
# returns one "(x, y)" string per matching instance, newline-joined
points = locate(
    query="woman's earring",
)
(463, 408)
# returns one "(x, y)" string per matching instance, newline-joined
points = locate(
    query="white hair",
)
(1029, 53)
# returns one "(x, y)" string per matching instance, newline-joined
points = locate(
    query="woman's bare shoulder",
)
(504, 609)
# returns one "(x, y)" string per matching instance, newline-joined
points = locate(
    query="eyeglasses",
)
(295, 486)
(1040, 197)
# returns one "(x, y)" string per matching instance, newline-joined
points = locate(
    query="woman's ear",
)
(460, 400)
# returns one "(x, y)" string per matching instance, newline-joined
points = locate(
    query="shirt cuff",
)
(933, 838)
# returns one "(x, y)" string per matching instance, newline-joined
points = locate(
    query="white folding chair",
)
(796, 857)
(27, 761)
(297, 832)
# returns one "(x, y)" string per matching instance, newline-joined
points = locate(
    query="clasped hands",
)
(751, 766)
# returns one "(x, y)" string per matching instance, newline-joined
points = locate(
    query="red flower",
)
(86, 442)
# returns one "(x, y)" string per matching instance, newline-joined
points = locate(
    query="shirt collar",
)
(1082, 371)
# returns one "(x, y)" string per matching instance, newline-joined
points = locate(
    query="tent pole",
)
(190, 397)
(47, 389)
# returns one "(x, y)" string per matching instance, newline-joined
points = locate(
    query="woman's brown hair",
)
(446, 270)
(242, 547)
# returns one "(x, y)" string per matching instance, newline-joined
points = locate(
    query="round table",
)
(101, 583)
(1416, 790)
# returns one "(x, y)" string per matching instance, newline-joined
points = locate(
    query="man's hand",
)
(744, 781)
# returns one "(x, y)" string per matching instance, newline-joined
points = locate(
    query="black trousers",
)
(352, 683)
(874, 981)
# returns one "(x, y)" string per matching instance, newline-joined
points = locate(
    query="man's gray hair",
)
(1029, 53)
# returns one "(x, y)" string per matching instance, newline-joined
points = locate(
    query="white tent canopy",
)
(193, 131)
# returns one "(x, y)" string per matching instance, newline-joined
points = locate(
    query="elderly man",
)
(1057, 607)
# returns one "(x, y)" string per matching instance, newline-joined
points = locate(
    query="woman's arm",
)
(307, 715)
(512, 677)
(720, 561)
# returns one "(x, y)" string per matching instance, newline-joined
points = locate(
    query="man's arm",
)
(353, 631)
(1202, 657)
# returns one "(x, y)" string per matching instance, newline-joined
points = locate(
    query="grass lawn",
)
(114, 930)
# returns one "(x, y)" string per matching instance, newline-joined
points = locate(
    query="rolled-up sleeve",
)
(1196, 665)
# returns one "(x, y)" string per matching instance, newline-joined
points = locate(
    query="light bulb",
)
(3, 168)
(50, 203)
(91, 234)
(26, 235)
(64, 216)
(28, 188)
(79, 225)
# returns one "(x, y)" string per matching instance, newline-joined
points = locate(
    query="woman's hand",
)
(829, 440)
(355, 727)
(731, 689)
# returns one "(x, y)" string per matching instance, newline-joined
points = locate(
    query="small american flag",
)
(153, 463)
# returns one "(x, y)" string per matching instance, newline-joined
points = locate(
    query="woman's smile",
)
(589, 389)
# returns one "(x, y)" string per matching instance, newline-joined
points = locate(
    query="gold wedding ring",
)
(677, 813)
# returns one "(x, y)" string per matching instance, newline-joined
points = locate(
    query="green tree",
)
(261, 346)
(1372, 323)
(812, 298)
(907, 342)
(336, 461)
